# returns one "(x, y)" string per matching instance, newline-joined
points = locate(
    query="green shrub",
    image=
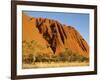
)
(67, 55)
(28, 59)
(70, 56)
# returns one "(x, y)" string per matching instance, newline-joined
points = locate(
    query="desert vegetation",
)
(35, 58)
(49, 43)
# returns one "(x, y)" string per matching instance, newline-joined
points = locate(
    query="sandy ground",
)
(54, 64)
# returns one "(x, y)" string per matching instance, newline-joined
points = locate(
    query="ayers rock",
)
(53, 35)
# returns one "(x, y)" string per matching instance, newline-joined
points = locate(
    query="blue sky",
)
(78, 20)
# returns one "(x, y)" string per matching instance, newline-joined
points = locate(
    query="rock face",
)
(54, 35)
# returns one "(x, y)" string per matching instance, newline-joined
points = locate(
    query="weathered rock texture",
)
(53, 35)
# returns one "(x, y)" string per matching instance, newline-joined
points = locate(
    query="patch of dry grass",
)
(54, 64)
